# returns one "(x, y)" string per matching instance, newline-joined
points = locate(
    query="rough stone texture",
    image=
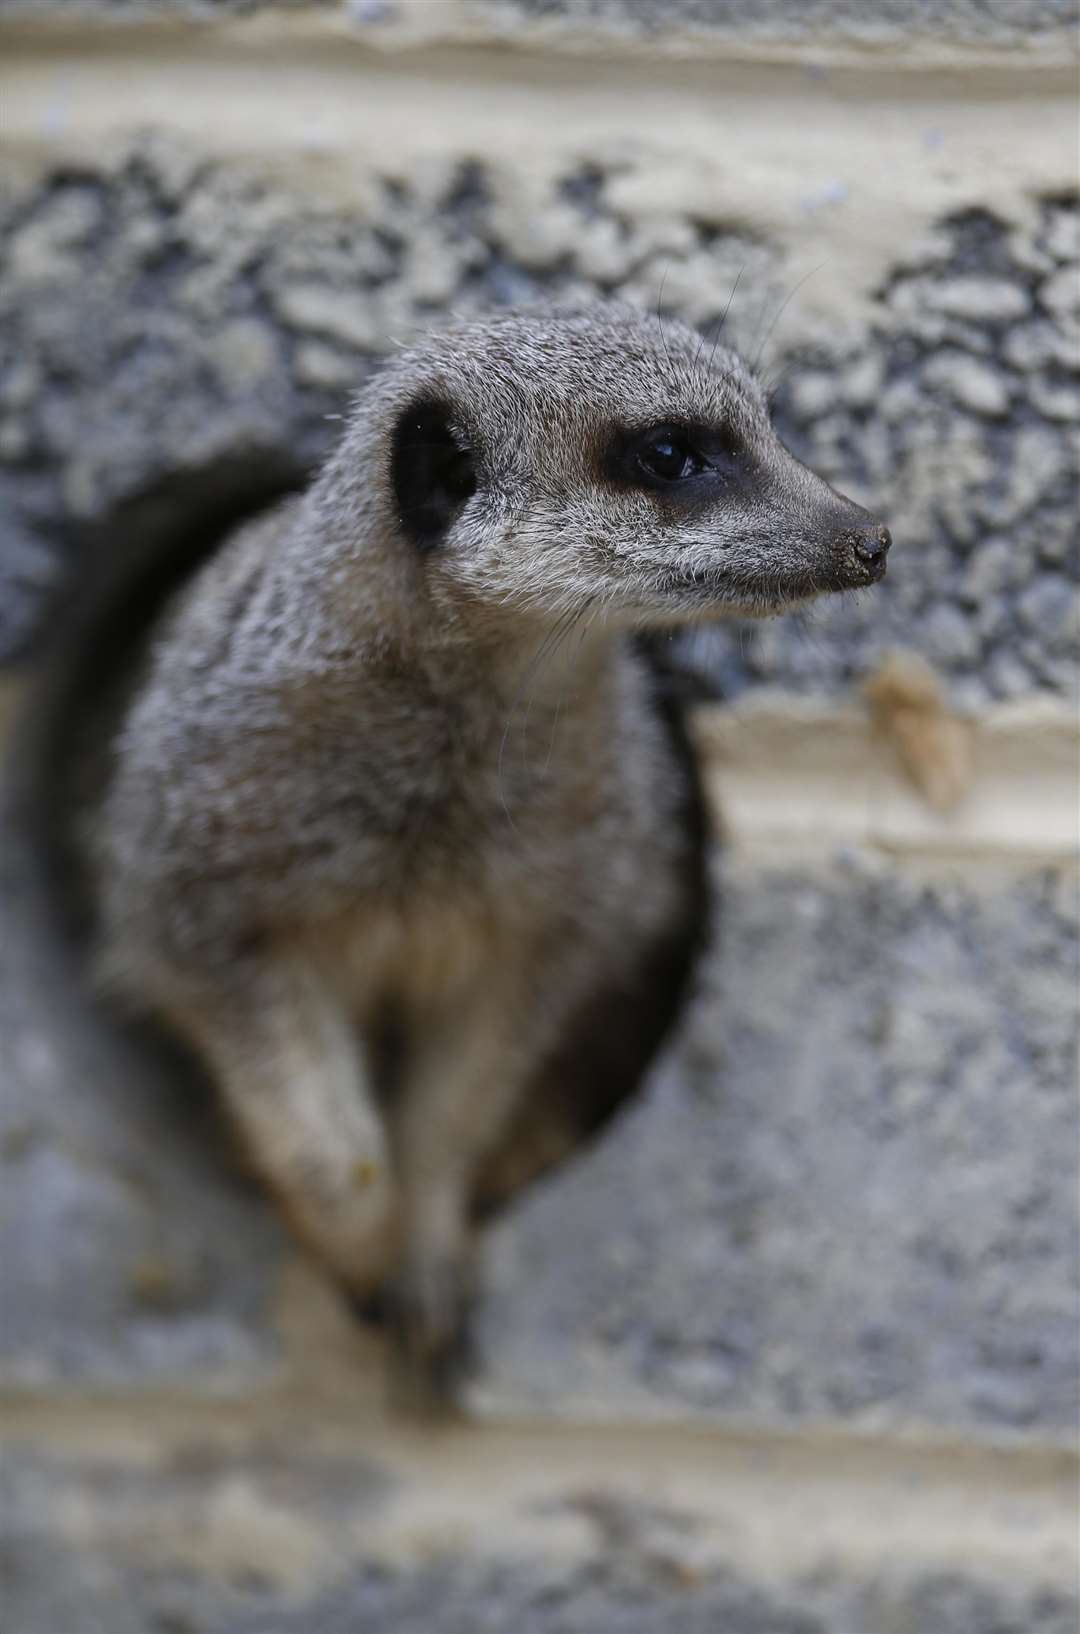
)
(942, 420)
(156, 310)
(523, 1597)
(138, 11)
(607, 1597)
(850, 1195)
(884, 22)
(277, 1543)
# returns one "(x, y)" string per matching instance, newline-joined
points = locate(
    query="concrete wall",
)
(794, 1348)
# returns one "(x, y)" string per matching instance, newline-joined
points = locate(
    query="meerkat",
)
(389, 805)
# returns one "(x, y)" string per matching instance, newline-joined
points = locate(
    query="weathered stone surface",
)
(968, 382)
(454, 1597)
(156, 310)
(943, 422)
(850, 1195)
(883, 22)
(209, 1542)
(979, 22)
(138, 11)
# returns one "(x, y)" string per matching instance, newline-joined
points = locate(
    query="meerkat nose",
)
(872, 547)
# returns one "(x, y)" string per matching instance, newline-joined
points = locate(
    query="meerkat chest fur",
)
(538, 822)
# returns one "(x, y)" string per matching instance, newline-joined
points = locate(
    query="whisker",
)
(772, 386)
(785, 303)
(528, 675)
(659, 319)
(554, 729)
(576, 622)
(724, 313)
(548, 650)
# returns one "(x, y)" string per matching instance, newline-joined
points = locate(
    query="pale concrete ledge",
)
(787, 773)
(773, 142)
(307, 1514)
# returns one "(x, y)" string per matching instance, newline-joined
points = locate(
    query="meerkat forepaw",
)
(430, 1310)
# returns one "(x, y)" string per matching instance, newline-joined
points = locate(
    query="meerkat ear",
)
(433, 472)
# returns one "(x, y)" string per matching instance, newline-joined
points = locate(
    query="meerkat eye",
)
(665, 455)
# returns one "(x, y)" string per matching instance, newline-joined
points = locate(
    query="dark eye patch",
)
(674, 459)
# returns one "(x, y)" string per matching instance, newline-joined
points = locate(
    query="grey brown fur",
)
(391, 797)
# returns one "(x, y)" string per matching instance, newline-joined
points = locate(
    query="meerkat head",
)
(552, 460)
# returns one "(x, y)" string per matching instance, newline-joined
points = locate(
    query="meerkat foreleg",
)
(464, 1084)
(296, 1081)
